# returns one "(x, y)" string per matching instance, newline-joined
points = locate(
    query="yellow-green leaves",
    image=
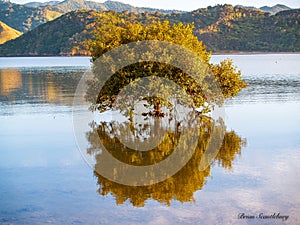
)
(229, 78)
(115, 30)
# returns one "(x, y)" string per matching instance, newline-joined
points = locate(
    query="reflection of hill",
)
(10, 81)
(52, 91)
(43, 86)
(182, 185)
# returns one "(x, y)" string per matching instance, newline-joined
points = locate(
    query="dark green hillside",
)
(65, 35)
(280, 32)
(210, 18)
(228, 28)
(57, 37)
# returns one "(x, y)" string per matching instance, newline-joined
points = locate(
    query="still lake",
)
(44, 179)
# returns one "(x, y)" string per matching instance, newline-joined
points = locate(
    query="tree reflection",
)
(182, 185)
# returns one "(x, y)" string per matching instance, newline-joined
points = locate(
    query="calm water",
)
(44, 179)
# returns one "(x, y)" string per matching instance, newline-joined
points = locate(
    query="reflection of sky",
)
(21, 62)
(261, 64)
(265, 180)
(266, 124)
(36, 139)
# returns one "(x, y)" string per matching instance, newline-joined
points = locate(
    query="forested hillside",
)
(57, 37)
(24, 18)
(221, 28)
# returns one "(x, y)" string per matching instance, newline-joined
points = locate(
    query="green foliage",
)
(116, 31)
(228, 78)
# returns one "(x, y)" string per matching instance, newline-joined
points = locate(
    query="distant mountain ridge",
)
(23, 18)
(30, 15)
(71, 5)
(275, 9)
(40, 4)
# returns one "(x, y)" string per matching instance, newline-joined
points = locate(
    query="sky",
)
(189, 5)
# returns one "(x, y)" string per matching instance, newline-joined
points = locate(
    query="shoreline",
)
(251, 53)
(212, 53)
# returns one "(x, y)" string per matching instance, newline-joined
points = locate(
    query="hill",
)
(71, 5)
(56, 37)
(221, 28)
(24, 18)
(211, 19)
(30, 15)
(280, 32)
(7, 33)
(275, 9)
(228, 28)
(27, 17)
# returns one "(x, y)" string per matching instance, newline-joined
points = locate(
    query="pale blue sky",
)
(194, 4)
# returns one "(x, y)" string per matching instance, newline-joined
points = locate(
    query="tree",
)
(116, 30)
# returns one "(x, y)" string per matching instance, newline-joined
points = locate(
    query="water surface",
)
(44, 179)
